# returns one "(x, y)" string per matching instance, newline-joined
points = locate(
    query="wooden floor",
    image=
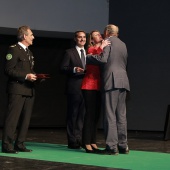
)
(137, 140)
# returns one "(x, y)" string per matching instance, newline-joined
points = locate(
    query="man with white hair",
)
(115, 85)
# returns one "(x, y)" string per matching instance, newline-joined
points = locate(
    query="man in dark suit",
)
(115, 85)
(73, 65)
(20, 89)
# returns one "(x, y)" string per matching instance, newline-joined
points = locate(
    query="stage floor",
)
(138, 141)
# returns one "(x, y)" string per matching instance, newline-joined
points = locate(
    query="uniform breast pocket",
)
(23, 63)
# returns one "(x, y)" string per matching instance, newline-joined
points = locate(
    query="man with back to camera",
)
(73, 65)
(20, 89)
(115, 85)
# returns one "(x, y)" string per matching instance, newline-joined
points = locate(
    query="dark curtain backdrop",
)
(145, 28)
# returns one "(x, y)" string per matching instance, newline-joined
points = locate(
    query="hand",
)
(31, 77)
(105, 43)
(79, 70)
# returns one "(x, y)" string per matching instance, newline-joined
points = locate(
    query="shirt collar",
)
(78, 48)
(22, 45)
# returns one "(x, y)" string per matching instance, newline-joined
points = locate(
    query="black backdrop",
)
(144, 27)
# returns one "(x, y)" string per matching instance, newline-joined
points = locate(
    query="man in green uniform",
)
(20, 90)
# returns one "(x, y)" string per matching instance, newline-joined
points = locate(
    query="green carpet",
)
(135, 160)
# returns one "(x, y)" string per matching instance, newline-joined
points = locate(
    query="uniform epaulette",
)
(13, 45)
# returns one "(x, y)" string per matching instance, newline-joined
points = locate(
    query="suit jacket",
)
(72, 59)
(114, 59)
(17, 67)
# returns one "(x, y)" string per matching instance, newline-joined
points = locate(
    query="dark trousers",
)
(18, 113)
(92, 104)
(75, 117)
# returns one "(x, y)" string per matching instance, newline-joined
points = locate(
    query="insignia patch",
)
(9, 56)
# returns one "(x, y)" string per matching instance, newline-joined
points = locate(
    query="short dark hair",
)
(75, 34)
(23, 30)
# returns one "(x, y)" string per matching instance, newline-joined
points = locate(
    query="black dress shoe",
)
(110, 152)
(9, 151)
(97, 151)
(73, 146)
(22, 149)
(124, 150)
(89, 151)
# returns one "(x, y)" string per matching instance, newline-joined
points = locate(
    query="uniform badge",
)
(9, 56)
